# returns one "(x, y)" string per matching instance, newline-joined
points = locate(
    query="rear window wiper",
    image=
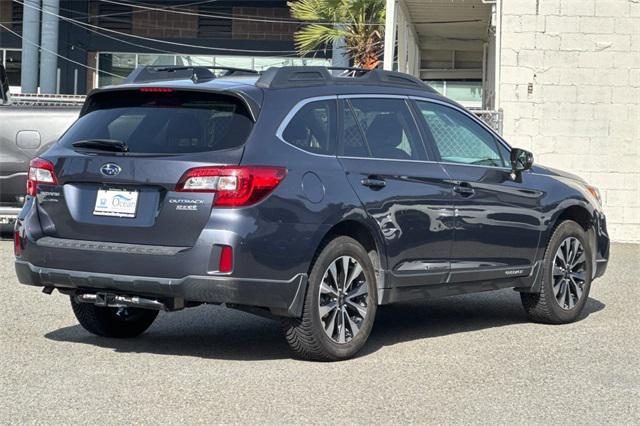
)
(102, 145)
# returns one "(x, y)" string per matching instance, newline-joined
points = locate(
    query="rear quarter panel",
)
(313, 197)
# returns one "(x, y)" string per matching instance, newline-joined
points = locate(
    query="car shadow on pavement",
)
(458, 314)
(218, 333)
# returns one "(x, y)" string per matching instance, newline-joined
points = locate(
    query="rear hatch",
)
(118, 166)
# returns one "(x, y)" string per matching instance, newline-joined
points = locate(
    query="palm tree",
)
(359, 22)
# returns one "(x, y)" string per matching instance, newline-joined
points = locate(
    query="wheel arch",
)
(583, 215)
(362, 233)
(577, 213)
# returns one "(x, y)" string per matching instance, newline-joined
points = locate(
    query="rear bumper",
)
(283, 298)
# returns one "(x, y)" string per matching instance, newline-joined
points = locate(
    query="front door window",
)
(459, 139)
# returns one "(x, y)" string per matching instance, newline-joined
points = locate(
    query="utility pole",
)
(30, 42)
(48, 56)
(339, 55)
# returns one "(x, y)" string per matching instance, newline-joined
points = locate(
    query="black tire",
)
(544, 307)
(306, 335)
(113, 322)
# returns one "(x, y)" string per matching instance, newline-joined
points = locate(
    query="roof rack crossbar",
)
(195, 73)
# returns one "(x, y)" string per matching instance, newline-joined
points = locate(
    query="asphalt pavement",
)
(458, 360)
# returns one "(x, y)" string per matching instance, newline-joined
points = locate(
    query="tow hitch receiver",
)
(116, 301)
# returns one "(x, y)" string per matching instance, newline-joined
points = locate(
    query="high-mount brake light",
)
(40, 171)
(234, 186)
(156, 90)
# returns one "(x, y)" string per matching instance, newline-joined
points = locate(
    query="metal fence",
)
(493, 118)
(31, 99)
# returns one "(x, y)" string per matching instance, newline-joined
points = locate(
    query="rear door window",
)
(353, 143)
(312, 128)
(380, 128)
(164, 123)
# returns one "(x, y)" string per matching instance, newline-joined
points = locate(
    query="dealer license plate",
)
(115, 202)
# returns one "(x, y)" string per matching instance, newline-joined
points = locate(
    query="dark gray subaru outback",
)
(299, 194)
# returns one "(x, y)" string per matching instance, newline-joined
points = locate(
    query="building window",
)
(12, 61)
(466, 92)
(113, 68)
(157, 60)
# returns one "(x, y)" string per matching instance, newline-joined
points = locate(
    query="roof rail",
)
(182, 72)
(302, 76)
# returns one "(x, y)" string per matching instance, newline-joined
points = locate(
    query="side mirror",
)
(521, 160)
(4, 86)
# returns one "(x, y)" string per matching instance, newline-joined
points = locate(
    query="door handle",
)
(464, 189)
(374, 182)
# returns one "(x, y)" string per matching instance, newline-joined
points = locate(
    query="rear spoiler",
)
(253, 105)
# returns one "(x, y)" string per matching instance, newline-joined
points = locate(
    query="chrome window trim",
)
(475, 165)
(348, 157)
(424, 161)
(369, 95)
(298, 106)
(287, 119)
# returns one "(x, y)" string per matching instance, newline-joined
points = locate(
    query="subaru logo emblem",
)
(110, 169)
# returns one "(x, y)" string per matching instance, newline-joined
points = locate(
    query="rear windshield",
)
(164, 123)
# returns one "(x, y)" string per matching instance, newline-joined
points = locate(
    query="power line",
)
(121, 40)
(131, 12)
(190, 13)
(89, 17)
(236, 17)
(58, 55)
(154, 40)
(80, 24)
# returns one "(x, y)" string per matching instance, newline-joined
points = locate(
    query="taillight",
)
(234, 186)
(17, 244)
(40, 171)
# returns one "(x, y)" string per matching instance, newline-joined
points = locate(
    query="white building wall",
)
(570, 91)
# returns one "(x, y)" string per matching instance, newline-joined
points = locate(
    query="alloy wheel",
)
(569, 273)
(342, 302)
